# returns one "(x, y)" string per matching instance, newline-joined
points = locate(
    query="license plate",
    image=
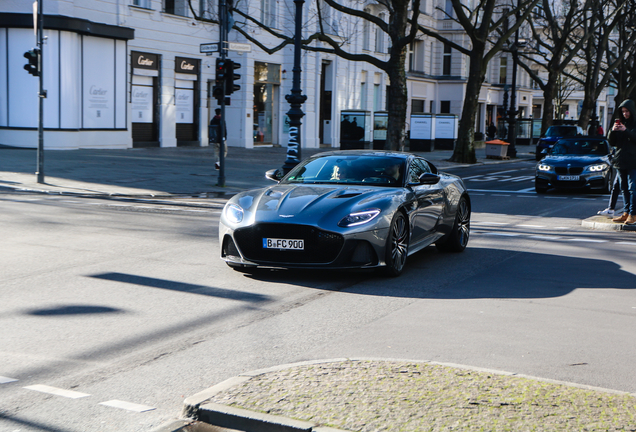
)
(287, 244)
(568, 178)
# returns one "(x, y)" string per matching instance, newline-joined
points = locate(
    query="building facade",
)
(129, 73)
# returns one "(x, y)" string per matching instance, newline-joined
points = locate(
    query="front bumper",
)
(595, 181)
(323, 249)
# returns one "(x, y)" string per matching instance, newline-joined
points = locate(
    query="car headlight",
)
(234, 213)
(544, 167)
(597, 167)
(359, 218)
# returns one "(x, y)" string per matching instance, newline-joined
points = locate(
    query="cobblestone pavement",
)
(379, 395)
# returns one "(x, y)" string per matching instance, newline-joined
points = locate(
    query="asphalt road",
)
(125, 303)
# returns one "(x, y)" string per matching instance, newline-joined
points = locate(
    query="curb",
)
(603, 223)
(196, 408)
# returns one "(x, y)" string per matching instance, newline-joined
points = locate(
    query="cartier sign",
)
(145, 60)
(186, 65)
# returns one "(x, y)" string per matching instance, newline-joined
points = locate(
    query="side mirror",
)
(274, 174)
(429, 179)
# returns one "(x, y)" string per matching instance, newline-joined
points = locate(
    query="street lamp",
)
(296, 98)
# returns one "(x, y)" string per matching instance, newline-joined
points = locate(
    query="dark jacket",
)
(625, 141)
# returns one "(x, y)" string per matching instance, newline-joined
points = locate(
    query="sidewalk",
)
(402, 395)
(161, 172)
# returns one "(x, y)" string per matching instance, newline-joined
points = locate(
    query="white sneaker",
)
(607, 212)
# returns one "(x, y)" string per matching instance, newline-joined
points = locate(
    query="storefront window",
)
(266, 87)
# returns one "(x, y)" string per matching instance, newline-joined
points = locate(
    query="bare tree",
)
(558, 38)
(486, 26)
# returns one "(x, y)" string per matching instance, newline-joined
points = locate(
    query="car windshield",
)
(349, 169)
(580, 147)
(560, 131)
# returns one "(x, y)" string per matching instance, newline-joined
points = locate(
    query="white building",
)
(129, 73)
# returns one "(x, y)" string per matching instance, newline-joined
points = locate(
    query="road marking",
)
(585, 240)
(501, 191)
(490, 223)
(503, 234)
(531, 226)
(546, 237)
(527, 190)
(127, 406)
(57, 391)
(555, 197)
(627, 243)
(501, 195)
(6, 380)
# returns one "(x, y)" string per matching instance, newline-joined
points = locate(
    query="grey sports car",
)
(347, 209)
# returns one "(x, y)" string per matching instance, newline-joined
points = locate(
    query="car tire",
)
(457, 239)
(397, 245)
(538, 156)
(540, 189)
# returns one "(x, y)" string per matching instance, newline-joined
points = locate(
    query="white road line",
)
(501, 195)
(545, 237)
(127, 406)
(527, 190)
(57, 391)
(555, 197)
(627, 243)
(502, 191)
(503, 234)
(6, 380)
(503, 172)
(585, 240)
(531, 226)
(561, 228)
(527, 196)
(489, 223)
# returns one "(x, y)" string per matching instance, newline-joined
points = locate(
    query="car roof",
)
(376, 153)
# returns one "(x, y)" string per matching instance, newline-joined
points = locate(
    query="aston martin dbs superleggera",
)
(347, 209)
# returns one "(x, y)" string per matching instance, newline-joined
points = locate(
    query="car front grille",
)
(320, 247)
(570, 170)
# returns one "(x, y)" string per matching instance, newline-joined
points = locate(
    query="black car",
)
(555, 133)
(576, 163)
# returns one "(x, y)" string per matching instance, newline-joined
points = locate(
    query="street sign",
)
(209, 47)
(241, 47)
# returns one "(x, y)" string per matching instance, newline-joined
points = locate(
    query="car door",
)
(429, 201)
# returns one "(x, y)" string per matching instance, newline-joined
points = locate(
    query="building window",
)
(268, 13)
(418, 106)
(416, 56)
(266, 89)
(141, 3)
(207, 8)
(448, 9)
(444, 107)
(366, 34)
(377, 97)
(176, 7)
(447, 60)
(503, 70)
(329, 19)
(379, 37)
(423, 7)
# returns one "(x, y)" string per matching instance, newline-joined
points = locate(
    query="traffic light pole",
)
(41, 95)
(223, 31)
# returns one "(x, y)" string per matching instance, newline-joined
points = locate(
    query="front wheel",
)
(457, 239)
(397, 245)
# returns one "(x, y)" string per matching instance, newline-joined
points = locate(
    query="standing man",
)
(623, 137)
(215, 136)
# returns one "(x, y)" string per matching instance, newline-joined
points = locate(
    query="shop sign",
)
(145, 61)
(186, 65)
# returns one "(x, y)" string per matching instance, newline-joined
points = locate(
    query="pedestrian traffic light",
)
(230, 77)
(33, 66)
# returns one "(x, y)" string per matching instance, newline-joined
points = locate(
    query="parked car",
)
(555, 133)
(347, 209)
(576, 163)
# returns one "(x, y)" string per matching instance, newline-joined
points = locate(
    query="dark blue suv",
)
(555, 133)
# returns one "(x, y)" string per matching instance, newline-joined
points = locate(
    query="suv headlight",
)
(597, 167)
(359, 218)
(234, 213)
(544, 167)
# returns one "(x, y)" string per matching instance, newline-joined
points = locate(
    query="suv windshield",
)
(561, 131)
(355, 169)
(580, 147)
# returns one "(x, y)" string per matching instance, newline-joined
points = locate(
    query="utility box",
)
(497, 149)
(422, 134)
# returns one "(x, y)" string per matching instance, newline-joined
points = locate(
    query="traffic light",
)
(33, 66)
(217, 92)
(230, 77)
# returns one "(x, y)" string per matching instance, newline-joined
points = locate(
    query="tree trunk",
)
(398, 99)
(549, 93)
(465, 147)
